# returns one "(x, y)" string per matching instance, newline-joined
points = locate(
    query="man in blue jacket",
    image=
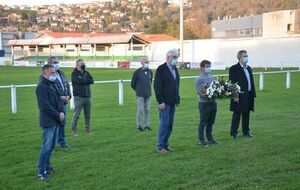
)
(51, 115)
(166, 86)
(65, 94)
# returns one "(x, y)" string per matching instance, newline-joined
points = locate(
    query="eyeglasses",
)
(55, 62)
(175, 57)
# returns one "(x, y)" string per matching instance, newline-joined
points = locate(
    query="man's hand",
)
(65, 98)
(236, 100)
(61, 116)
(162, 106)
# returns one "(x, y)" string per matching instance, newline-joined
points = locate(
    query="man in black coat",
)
(241, 74)
(65, 94)
(166, 86)
(51, 116)
(81, 81)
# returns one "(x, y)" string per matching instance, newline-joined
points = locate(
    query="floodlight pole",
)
(181, 31)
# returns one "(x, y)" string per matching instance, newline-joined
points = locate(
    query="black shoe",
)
(203, 144)
(234, 137)
(213, 142)
(140, 129)
(248, 135)
(148, 129)
(42, 177)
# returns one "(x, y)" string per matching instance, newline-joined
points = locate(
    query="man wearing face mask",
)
(241, 106)
(63, 85)
(81, 81)
(52, 114)
(207, 106)
(166, 86)
(141, 83)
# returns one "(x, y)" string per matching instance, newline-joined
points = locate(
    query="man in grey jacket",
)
(141, 83)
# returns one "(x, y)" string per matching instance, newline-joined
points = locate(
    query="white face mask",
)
(146, 65)
(56, 66)
(52, 78)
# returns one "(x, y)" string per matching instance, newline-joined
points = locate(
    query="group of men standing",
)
(53, 94)
(166, 87)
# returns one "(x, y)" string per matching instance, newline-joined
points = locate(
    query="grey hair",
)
(46, 67)
(79, 60)
(239, 54)
(172, 52)
(50, 59)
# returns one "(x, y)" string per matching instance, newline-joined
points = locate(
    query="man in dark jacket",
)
(65, 94)
(51, 115)
(141, 83)
(81, 81)
(166, 86)
(241, 106)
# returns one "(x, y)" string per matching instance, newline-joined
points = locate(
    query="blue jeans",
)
(166, 118)
(61, 130)
(49, 141)
(208, 111)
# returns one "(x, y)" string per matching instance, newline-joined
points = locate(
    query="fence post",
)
(72, 99)
(261, 81)
(281, 65)
(121, 93)
(288, 79)
(266, 66)
(13, 92)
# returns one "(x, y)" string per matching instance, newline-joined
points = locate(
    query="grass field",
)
(119, 157)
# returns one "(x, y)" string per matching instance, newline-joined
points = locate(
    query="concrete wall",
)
(270, 52)
(275, 24)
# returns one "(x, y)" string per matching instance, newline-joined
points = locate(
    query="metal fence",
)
(13, 88)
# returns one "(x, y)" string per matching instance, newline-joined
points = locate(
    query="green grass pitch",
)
(119, 157)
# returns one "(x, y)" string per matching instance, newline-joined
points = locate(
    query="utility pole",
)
(181, 31)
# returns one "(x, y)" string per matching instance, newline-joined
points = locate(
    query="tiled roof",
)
(51, 38)
(114, 39)
(74, 34)
(156, 37)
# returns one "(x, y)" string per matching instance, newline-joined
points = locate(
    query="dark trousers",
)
(85, 104)
(208, 112)
(235, 122)
(61, 130)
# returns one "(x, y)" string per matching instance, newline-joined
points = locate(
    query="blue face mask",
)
(174, 62)
(245, 60)
(207, 70)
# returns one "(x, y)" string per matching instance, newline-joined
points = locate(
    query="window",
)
(289, 27)
(40, 49)
(70, 50)
(136, 48)
(100, 48)
(31, 49)
(85, 49)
